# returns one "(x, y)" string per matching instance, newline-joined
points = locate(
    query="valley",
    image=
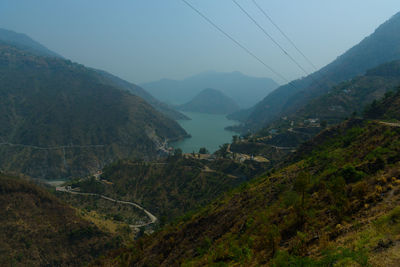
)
(203, 168)
(206, 130)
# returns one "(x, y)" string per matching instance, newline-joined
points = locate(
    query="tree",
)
(223, 150)
(178, 152)
(235, 139)
(203, 150)
(301, 184)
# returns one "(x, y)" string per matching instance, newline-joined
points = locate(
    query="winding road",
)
(50, 148)
(153, 218)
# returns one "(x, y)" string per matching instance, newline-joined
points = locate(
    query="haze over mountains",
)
(314, 180)
(245, 90)
(26, 43)
(210, 101)
(380, 47)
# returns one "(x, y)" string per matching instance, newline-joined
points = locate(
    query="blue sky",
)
(144, 40)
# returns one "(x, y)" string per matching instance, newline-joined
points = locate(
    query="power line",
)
(236, 42)
(284, 35)
(270, 37)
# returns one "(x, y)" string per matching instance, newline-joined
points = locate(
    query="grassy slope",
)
(36, 229)
(343, 184)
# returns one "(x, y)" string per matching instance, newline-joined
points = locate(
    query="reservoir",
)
(207, 130)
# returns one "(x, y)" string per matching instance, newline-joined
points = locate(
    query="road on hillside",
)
(153, 218)
(391, 124)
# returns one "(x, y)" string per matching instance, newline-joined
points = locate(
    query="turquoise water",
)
(207, 130)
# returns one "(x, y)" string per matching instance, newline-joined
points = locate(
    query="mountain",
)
(380, 47)
(26, 43)
(36, 229)
(210, 101)
(335, 202)
(353, 95)
(245, 90)
(136, 90)
(60, 119)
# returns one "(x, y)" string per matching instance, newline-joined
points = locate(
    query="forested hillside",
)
(334, 202)
(59, 119)
(172, 187)
(380, 47)
(352, 96)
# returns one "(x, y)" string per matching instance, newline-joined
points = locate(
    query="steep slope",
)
(136, 90)
(245, 90)
(380, 47)
(59, 119)
(333, 203)
(36, 229)
(354, 95)
(211, 101)
(24, 42)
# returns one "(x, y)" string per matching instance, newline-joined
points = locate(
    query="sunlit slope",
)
(334, 202)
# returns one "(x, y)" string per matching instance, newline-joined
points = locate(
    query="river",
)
(207, 130)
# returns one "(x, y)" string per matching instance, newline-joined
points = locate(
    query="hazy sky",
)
(144, 40)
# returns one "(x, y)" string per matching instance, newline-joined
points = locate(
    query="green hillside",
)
(333, 203)
(59, 119)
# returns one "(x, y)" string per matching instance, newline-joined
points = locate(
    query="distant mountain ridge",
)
(137, 90)
(245, 90)
(210, 101)
(380, 47)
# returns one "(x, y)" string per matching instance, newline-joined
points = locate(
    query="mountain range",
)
(243, 89)
(380, 47)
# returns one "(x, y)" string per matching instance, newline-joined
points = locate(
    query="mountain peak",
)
(211, 101)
